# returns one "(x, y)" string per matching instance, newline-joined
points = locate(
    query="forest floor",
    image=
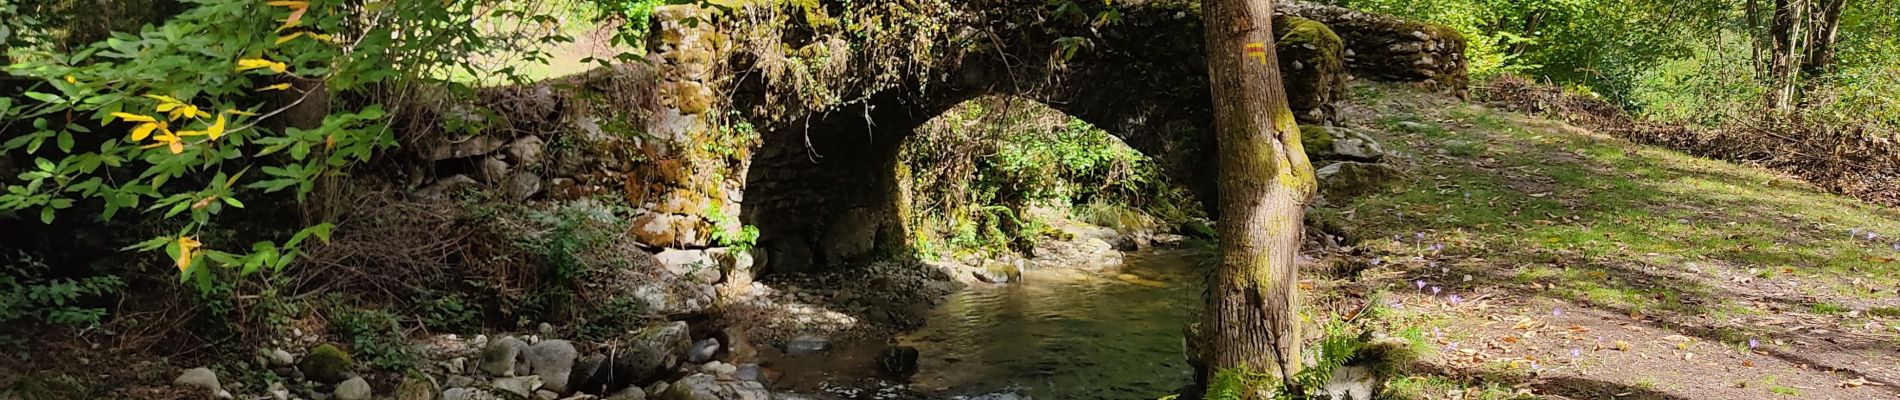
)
(1544, 259)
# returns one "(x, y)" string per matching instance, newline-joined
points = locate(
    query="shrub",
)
(27, 295)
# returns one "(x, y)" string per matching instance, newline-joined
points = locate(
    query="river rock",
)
(199, 377)
(630, 393)
(546, 395)
(553, 360)
(645, 354)
(707, 387)
(503, 357)
(327, 364)
(526, 150)
(703, 351)
(416, 387)
(523, 185)
(353, 389)
(589, 376)
(280, 358)
(468, 394)
(1343, 180)
(493, 170)
(751, 372)
(520, 386)
(804, 344)
(1351, 382)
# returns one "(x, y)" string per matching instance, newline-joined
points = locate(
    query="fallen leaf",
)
(1622, 346)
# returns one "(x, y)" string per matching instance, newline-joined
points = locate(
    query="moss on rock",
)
(1316, 140)
(327, 364)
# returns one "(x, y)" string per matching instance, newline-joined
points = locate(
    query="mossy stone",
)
(327, 364)
(1316, 140)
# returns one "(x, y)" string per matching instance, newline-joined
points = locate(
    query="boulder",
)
(523, 185)
(553, 361)
(589, 376)
(1343, 180)
(692, 265)
(520, 386)
(353, 389)
(703, 351)
(327, 364)
(1311, 67)
(493, 170)
(1335, 143)
(199, 377)
(1350, 382)
(707, 387)
(526, 150)
(280, 358)
(631, 393)
(645, 354)
(468, 394)
(503, 357)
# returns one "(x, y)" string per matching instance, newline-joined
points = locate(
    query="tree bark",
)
(1784, 67)
(1264, 183)
(1826, 32)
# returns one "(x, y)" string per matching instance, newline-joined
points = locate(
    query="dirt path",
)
(1560, 263)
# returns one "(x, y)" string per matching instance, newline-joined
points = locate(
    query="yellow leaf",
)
(164, 107)
(185, 247)
(186, 111)
(217, 129)
(280, 86)
(256, 63)
(163, 99)
(145, 130)
(134, 117)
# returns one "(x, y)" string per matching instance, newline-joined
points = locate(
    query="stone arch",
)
(822, 188)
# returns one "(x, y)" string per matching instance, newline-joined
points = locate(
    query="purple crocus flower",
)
(1557, 312)
(1377, 261)
(1752, 343)
(1896, 247)
(1456, 299)
(1437, 334)
(1418, 235)
(1574, 353)
(1871, 236)
(1451, 346)
(1435, 290)
(1437, 246)
(1420, 283)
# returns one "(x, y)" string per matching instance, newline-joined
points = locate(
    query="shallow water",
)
(1059, 334)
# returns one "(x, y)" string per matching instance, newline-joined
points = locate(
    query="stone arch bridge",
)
(822, 93)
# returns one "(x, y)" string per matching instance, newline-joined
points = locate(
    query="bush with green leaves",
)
(180, 122)
(26, 294)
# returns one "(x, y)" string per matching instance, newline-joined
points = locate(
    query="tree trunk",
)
(1825, 33)
(1784, 67)
(1264, 183)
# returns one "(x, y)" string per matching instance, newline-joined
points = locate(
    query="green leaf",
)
(44, 97)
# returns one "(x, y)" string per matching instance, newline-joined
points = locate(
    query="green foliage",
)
(374, 334)
(728, 232)
(976, 171)
(1692, 62)
(451, 313)
(176, 121)
(27, 295)
(568, 232)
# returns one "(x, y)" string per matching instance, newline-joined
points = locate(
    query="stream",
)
(1061, 333)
